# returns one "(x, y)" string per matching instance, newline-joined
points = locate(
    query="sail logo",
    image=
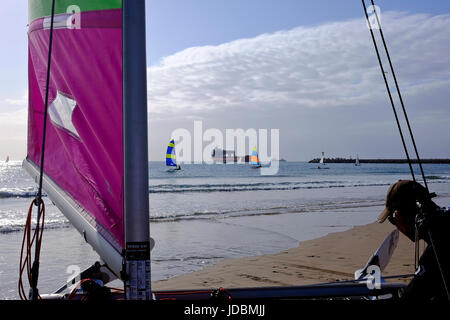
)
(69, 20)
(373, 278)
(243, 143)
(61, 111)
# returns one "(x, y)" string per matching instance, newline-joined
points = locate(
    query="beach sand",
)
(333, 257)
(330, 258)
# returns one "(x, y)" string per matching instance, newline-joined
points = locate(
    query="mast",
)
(136, 199)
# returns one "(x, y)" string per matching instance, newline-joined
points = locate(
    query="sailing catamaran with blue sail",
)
(171, 157)
(88, 112)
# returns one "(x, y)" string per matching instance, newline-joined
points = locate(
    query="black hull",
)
(324, 291)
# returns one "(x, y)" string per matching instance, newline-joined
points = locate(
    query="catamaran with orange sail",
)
(254, 160)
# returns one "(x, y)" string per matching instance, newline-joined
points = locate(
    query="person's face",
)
(405, 222)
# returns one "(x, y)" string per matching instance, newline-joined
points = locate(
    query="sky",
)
(307, 68)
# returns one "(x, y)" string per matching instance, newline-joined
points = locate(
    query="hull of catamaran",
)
(96, 168)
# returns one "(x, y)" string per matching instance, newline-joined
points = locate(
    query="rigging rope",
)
(400, 98)
(27, 244)
(416, 253)
(388, 90)
(33, 274)
(78, 286)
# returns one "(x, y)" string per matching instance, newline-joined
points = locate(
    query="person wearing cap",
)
(405, 201)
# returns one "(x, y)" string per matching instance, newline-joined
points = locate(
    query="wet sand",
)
(330, 258)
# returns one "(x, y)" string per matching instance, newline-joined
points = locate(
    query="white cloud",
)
(13, 118)
(13, 134)
(16, 101)
(308, 81)
(22, 101)
(324, 66)
(13, 126)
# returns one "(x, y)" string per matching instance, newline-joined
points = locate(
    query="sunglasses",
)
(392, 219)
(403, 219)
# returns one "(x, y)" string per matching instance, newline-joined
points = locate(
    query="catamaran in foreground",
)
(90, 118)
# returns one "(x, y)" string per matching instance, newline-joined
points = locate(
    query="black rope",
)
(400, 97)
(433, 244)
(38, 201)
(388, 90)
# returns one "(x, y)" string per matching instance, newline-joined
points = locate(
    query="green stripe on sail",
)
(171, 145)
(43, 8)
(171, 156)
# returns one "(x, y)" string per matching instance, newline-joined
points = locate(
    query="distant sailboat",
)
(357, 161)
(254, 160)
(7, 159)
(171, 158)
(322, 162)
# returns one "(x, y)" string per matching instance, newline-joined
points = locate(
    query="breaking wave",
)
(181, 188)
(18, 227)
(26, 192)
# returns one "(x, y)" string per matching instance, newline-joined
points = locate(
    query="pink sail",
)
(84, 139)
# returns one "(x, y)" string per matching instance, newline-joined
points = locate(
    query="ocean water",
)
(205, 213)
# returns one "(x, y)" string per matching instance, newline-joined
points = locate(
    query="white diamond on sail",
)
(61, 110)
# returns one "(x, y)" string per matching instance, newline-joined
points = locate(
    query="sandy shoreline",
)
(333, 257)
